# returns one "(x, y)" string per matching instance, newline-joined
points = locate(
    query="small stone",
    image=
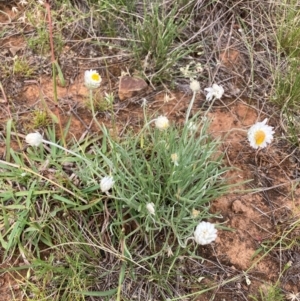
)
(238, 207)
(131, 86)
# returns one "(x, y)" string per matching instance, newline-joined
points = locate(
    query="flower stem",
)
(190, 107)
(65, 149)
(93, 109)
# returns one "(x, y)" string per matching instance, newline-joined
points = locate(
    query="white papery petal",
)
(205, 233)
(34, 139)
(162, 122)
(260, 134)
(215, 91)
(150, 208)
(92, 79)
(106, 184)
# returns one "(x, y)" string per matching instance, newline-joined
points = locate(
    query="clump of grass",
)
(40, 119)
(156, 33)
(101, 103)
(66, 274)
(288, 32)
(39, 40)
(269, 293)
(278, 246)
(287, 78)
(178, 171)
(21, 67)
(149, 32)
(5, 70)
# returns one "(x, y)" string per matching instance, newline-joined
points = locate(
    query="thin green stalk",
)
(209, 108)
(190, 107)
(93, 109)
(47, 5)
(121, 279)
(54, 82)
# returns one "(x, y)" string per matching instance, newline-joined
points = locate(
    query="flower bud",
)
(195, 85)
(34, 139)
(150, 208)
(106, 184)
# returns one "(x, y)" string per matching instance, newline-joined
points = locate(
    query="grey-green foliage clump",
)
(287, 77)
(273, 292)
(156, 34)
(176, 171)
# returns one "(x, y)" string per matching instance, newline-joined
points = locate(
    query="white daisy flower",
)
(92, 79)
(162, 122)
(34, 139)
(106, 184)
(205, 233)
(260, 134)
(215, 91)
(150, 208)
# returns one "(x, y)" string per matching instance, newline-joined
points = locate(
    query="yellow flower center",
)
(166, 124)
(259, 137)
(96, 77)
